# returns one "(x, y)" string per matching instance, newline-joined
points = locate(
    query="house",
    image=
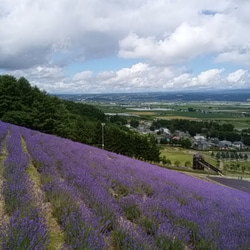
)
(226, 144)
(201, 145)
(199, 138)
(165, 131)
(239, 145)
(220, 146)
(176, 138)
(181, 134)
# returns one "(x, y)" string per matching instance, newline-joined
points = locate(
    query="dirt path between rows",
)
(57, 235)
(3, 155)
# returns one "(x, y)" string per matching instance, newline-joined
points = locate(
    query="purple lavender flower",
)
(25, 232)
(98, 196)
(27, 228)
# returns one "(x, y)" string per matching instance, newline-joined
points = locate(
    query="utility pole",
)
(103, 124)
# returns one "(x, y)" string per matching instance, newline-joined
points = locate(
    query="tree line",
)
(28, 106)
(230, 155)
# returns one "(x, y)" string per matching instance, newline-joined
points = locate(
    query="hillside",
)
(57, 194)
(24, 105)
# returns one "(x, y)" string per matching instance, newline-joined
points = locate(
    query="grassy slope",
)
(176, 153)
(184, 155)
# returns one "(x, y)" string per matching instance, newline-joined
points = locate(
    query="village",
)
(197, 142)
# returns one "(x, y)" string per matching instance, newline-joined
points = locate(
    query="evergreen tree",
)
(245, 157)
(134, 123)
(27, 106)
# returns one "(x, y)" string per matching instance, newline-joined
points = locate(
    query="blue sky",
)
(96, 46)
(110, 63)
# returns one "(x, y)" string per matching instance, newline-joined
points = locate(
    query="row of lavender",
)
(3, 133)
(25, 227)
(102, 199)
(98, 195)
(74, 216)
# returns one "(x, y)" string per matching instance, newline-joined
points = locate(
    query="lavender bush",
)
(25, 231)
(27, 228)
(3, 133)
(103, 200)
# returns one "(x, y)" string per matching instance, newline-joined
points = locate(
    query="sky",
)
(116, 46)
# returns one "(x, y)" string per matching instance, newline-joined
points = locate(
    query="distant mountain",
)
(236, 95)
(59, 194)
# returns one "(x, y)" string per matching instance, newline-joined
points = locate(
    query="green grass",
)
(178, 154)
(183, 155)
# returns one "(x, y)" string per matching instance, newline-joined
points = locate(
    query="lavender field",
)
(58, 194)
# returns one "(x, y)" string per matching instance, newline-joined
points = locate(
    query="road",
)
(239, 184)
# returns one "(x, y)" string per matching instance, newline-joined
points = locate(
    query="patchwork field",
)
(143, 113)
(170, 117)
(58, 194)
(222, 112)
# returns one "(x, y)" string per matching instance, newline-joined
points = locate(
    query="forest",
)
(25, 105)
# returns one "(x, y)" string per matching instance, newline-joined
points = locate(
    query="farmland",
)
(222, 112)
(59, 194)
(234, 112)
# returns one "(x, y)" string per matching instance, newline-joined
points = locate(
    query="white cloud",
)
(137, 78)
(209, 76)
(237, 76)
(178, 30)
(236, 56)
(39, 39)
(85, 75)
(184, 43)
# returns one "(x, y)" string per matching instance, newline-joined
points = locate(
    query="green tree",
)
(168, 162)
(154, 150)
(227, 127)
(223, 155)
(118, 119)
(19, 118)
(164, 160)
(232, 166)
(245, 157)
(186, 143)
(25, 105)
(218, 155)
(236, 156)
(237, 166)
(232, 155)
(240, 156)
(134, 123)
(243, 168)
(188, 164)
(177, 163)
(246, 139)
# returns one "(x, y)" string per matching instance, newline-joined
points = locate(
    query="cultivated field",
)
(222, 112)
(58, 194)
